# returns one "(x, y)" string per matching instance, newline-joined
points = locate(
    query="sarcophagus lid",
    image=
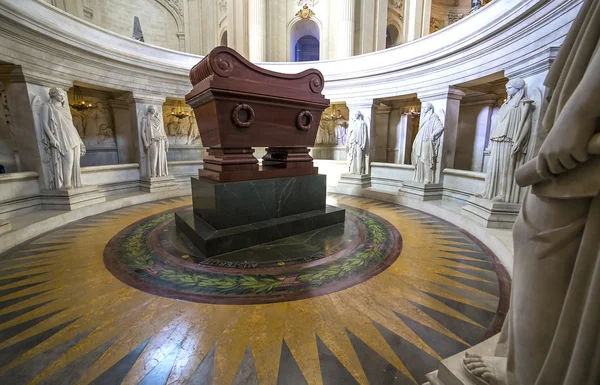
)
(240, 105)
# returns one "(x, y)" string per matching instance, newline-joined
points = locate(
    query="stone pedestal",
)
(71, 199)
(157, 183)
(450, 371)
(497, 215)
(5, 226)
(422, 191)
(352, 184)
(234, 215)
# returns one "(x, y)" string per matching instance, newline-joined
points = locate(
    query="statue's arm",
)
(439, 129)
(46, 118)
(566, 144)
(524, 126)
(144, 128)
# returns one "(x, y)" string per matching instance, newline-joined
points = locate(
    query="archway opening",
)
(224, 39)
(391, 36)
(307, 49)
(305, 41)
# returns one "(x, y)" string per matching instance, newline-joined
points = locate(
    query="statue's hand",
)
(566, 144)
(516, 147)
(82, 150)
(54, 143)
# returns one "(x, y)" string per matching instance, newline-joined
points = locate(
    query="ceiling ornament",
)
(310, 3)
(177, 5)
(305, 12)
(397, 4)
(453, 17)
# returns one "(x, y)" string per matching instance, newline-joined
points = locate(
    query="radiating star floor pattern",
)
(64, 319)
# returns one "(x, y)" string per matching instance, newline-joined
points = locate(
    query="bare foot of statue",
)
(484, 370)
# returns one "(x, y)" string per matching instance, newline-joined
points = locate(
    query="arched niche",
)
(307, 49)
(392, 36)
(303, 29)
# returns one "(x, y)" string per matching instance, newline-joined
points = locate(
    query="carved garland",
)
(235, 115)
(302, 116)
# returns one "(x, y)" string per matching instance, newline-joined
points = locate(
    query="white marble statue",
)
(551, 335)
(357, 143)
(341, 133)
(509, 143)
(426, 145)
(155, 143)
(61, 141)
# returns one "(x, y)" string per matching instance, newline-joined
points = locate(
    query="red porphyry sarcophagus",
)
(239, 105)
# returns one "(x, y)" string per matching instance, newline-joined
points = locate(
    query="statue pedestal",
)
(450, 371)
(352, 184)
(71, 199)
(5, 226)
(157, 183)
(496, 215)
(422, 191)
(228, 216)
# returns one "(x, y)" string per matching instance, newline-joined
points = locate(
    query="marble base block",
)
(71, 199)
(496, 215)
(450, 371)
(229, 216)
(229, 204)
(211, 241)
(158, 183)
(422, 191)
(352, 184)
(5, 226)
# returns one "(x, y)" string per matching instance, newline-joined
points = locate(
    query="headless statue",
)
(551, 335)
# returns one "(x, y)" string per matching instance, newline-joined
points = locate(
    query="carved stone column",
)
(257, 30)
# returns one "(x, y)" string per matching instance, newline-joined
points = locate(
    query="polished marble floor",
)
(121, 298)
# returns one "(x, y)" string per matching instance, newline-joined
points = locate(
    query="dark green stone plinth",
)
(211, 241)
(234, 215)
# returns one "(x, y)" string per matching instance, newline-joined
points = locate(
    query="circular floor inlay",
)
(152, 256)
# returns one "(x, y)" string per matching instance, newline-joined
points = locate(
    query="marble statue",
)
(509, 143)
(551, 333)
(341, 134)
(475, 5)
(61, 141)
(193, 133)
(356, 145)
(155, 143)
(426, 145)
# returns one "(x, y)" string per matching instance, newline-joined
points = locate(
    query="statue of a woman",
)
(551, 332)
(155, 143)
(63, 142)
(357, 144)
(426, 145)
(341, 123)
(509, 144)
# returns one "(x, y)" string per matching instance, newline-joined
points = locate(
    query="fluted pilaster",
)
(344, 28)
(257, 30)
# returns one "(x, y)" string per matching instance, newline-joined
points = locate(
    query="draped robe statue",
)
(63, 142)
(509, 145)
(155, 143)
(356, 144)
(341, 135)
(551, 335)
(426, 145)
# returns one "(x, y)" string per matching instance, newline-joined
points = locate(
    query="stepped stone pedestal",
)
(229, 216)
(352, 184)
(157, 183)
(497, 215)
(450, 371)
(422, 191)
(71, 199)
